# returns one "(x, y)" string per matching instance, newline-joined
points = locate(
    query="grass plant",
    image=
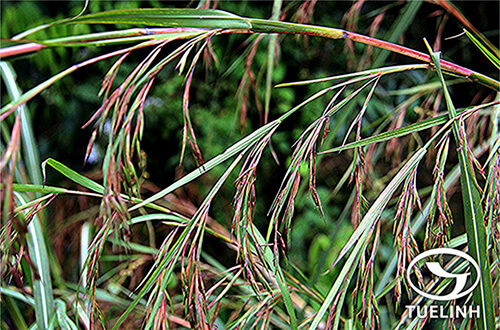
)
(208, 249)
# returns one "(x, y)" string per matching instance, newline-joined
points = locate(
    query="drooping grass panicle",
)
(123, 138)
(8, 164)
(305, 151)
(304, 13)
(244, 207)
(188, 131)
(249, 80)
(358, 171)
(368, 312)
(404, 241)
(440, 217)
(12, 106)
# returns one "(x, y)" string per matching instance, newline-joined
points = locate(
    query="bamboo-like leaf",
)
(166, 17)
(72, 175)
(199, 18)
(473, 214)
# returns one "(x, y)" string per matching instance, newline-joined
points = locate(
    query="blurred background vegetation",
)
(216, 104)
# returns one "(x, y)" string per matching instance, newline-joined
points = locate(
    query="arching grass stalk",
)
(10, 107)
(216, 19)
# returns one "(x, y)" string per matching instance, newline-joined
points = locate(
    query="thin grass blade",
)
(409, 129)
(491, 56)
(473, 213)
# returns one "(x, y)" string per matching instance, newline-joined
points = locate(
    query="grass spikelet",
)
(405, 242)
(188, 131)
(438, 230)
(8, 164)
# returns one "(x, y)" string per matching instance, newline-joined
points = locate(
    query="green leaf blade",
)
(473, 214)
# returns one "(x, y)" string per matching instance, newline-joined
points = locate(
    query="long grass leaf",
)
(492, 57)
(49, 190)
(409, 129)
(402, 23)
(166, 17)
(473, 214)
(72, 175)
(30, 148)
(382, 71)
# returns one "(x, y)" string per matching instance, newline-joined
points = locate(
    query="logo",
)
(437, 270)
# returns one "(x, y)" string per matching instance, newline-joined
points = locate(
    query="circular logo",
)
(436, 269)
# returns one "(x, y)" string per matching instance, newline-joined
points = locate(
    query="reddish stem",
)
(407, 52)
(20, 49)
